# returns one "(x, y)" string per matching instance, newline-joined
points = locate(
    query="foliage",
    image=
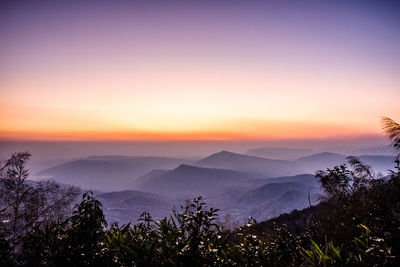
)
(315, 256)
(24, 206)
(392, 129)
(191, 237)
(77, 241)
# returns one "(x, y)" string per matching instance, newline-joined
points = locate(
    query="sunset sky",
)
(126, 70)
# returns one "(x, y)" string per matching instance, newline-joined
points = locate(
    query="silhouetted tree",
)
(24, 204)
(392, 129)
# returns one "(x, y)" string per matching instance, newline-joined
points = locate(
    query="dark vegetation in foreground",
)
(357, 224)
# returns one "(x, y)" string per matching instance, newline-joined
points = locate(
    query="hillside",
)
(251, 164)
(307, 179)
(275, 198)
(236, 193)
(107, 173)
(379, 163)
(191, 181)
(379, 150)
(321, 161)
(279, 153)
(127, 206)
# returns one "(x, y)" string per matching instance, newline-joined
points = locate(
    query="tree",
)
(24, 204)
(392, 129)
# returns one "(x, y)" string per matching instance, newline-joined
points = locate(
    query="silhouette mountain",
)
(379, 163)
(279, 195)
(321, 161)
(192, 181)
(279, 153)
(251, 164)
(107, 173)
(380, 150)
(323, 156)
(306, 179)
(240, 184)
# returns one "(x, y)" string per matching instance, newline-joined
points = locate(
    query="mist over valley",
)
(241, 185)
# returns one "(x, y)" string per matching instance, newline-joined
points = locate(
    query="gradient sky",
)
(126, 70)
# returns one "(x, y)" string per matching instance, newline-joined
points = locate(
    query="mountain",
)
(235, 193)
(323, 157)
(250, 164)
(192, 181)
(107, 173)
(277, 168)
(279, 153)
(270, 191)
(275, 198)
(127, 206)
(322, 161)
(306, 179)
(379, 163)
(240, 185)
(380, 150)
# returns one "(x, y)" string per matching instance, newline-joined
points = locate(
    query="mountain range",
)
(107, 173)
(251, 164)
(240, 185)
(190, 181)
(279, 153)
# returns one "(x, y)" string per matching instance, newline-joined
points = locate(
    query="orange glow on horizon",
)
(245, 131)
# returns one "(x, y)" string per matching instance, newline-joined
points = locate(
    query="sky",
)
(197, 70)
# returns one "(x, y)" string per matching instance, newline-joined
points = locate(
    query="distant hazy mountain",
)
(238, 184)
(193, 181)
(127, 206)
(270, 191)
(305, 179)
(322, 157)
(149, 176)
(272, 199)
(321, 161)
(379, 163)
(287, 202)
(108, 173)
(380, 150)
(237, 193)
(280, 153)
(282, 194)
(251, 164)
(276, 168)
